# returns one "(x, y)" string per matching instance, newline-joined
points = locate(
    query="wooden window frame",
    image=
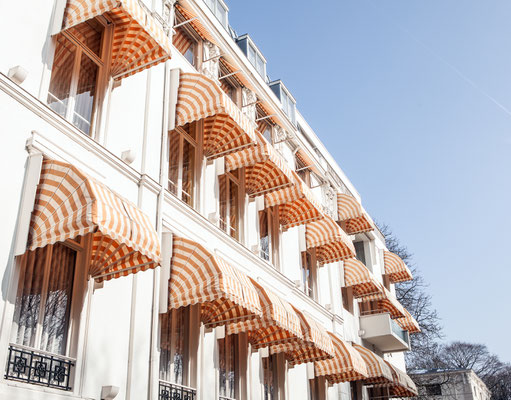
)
(101, 61)
(197, 41)
(197, 167)
(274, 235)
(313, 291)
(231, 179)
(78, 293)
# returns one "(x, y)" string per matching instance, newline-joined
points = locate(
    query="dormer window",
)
(288, 106)
(253, 54)
(220, 10)
(287, 101)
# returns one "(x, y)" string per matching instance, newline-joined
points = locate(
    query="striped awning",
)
(408, 323)
(226, 128)
(69, 204)
(395, 268)
(306, 160)
(195, 23)
(386, 302)
(316, 344)
(378, 371)
(226, 295)
(139, 40)
(347, 364)
(402, 385)
(298, 205)
(357, 276)
(330, 241)
(278, 324)
(350, 212)
(237, 72)
(265, 169)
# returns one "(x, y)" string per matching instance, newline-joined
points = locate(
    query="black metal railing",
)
(39, 368)
(172, 391)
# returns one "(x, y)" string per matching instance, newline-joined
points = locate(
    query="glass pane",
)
(269, 384)
(58, 300)
(227, 366)
(190, 54)
(360, 252)
(85, 94)
(221, 14)
(260, 66)
(264, 237)
(267, 133)
(251, 55)
(233, 209)
(28, 300)
(188, 172)
(222, 184)
(173, 161)
(90, 34)
(173, 332)
(61, 75)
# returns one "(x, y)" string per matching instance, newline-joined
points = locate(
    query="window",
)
(185, 40)
(183, 157)
(288, 105)
(303, 171)
(263, 126)
(316, 388)
(45, 293)
(229, 195)
(78, 66)
(219, 9)
(309, 274)
(273, 377)
(178, 341)
(256, 59)
(228, 361)
(347, 298)
(360, 251)
(228, 84)
(434, 390)
(269, 229)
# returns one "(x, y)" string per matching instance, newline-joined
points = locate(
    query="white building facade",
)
(456, 384)
(172, 226)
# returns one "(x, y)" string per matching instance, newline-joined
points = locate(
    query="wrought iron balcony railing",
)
(29, 365)
(172, 391)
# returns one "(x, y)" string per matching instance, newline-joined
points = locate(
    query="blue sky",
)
(413, 99)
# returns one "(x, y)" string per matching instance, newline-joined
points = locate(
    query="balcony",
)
(173, 391)
(28, 365)
(384, 333)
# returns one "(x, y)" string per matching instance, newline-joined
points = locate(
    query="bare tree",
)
(414, 297)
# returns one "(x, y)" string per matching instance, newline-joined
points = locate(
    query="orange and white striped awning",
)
(351, 214)
(139, 40)
(278, 324)
(70, 204)
(226, 128)
(330, 241)
(265, 169)
(226, 294)
(238, 73)
(408, 323)
(347, 364)
(402, 385)
(306, 160)
(395, 268)
(316, 344)
(357, 276)
(386, 302)
(298, 205)
(195, 23)
(378, 371)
